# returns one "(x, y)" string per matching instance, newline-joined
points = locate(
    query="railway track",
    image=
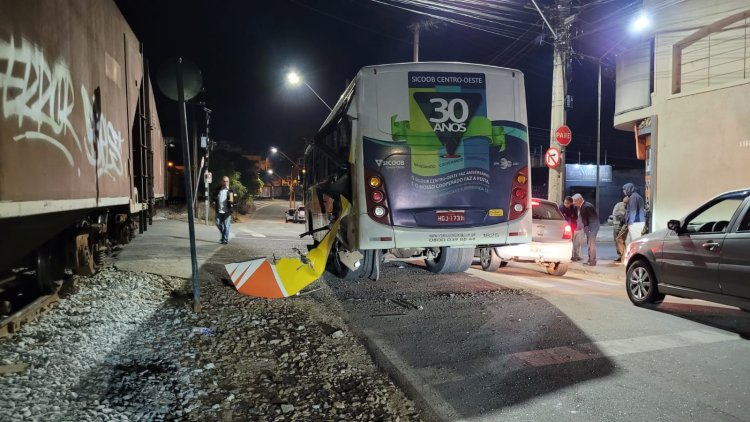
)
(20, 304)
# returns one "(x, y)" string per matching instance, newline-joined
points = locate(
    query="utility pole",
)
(416, 27)
(562, 19)
(208, 154)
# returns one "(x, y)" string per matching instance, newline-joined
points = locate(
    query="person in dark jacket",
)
(590, 220)
(635, 212)
(570, 213)
(223, 199)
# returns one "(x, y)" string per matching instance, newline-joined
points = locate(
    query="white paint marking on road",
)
(662, 341)
(252, 233)
(566, 354)
(259, 205)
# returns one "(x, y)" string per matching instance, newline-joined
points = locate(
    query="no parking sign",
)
(552, 157)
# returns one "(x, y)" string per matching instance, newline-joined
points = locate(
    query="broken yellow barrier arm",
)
(261, 278)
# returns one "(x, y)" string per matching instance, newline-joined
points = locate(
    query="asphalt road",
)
(521, 345)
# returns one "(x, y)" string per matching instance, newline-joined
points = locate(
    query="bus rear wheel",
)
(450, 260)
(369, 264)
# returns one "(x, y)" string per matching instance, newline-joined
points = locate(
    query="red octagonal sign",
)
(563, 135)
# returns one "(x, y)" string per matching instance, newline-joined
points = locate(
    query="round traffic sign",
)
(563, 135)
(552, 157)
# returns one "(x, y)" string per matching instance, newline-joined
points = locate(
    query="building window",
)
(715, 55)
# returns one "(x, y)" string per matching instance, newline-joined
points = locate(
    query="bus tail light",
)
(377, 202)
(519, 198)
(567, 232)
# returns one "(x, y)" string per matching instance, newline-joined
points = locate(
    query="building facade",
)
(684, 92)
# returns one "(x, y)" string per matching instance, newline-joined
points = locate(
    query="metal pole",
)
(319, 97)
(598, 133)
(416, 42)
(188, 187)
(555, 186)
(208, 154)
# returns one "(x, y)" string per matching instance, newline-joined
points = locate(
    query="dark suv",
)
(705, 255)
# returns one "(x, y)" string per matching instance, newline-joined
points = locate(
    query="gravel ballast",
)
(127, 346)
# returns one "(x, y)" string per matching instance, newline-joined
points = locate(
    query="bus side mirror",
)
(675, 226)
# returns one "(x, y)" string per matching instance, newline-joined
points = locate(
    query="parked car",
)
(551, 242)
(290, 215)
(705, 255)
(299, 215)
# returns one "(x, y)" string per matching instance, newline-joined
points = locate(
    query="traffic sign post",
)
(563, 135)
(552, 158)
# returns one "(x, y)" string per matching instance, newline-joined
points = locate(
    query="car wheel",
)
(557, 268)
(489, 260)
(641, 284)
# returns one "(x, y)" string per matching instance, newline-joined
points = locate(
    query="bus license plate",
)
(450, 216)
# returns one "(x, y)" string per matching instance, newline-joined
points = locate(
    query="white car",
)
(551, 242)
(290, 215)
(299, 215)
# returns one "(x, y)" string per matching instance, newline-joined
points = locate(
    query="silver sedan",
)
(705, 255)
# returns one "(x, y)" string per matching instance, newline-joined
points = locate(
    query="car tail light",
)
(377, 202)
(519, 198)
(534, 203)
(567, 232)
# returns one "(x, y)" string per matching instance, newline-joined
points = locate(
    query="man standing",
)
(619, 227)
(590, 220)
(223, 202)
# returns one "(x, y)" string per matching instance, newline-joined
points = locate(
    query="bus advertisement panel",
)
(447, 163)
(435, 160)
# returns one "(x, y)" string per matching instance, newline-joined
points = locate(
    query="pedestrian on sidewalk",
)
(620, 227)
(590, 220)
(635, 214)
(224, 198)
(570, 213)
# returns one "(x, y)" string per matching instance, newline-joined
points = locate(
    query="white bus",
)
(434, 159)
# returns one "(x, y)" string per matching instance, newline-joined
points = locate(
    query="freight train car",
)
(81, 150)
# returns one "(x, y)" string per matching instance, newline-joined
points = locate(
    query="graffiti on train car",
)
(41, 91)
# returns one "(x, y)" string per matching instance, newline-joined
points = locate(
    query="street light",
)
(294, 79)
(290, 184)
(639, 24)
(275, 150)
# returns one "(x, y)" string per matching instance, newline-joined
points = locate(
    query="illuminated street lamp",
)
(275, 150)
(639, 24)
(294, 79)
(290, 184)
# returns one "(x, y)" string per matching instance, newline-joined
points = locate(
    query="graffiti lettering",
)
(40, 93)
(103, 143)
(35, 90)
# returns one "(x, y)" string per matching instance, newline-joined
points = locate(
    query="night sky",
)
(244, 50)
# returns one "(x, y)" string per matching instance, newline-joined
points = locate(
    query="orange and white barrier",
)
(261, 278)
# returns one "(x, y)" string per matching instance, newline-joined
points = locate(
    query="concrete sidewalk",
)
(606, 253)
(164, 249)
